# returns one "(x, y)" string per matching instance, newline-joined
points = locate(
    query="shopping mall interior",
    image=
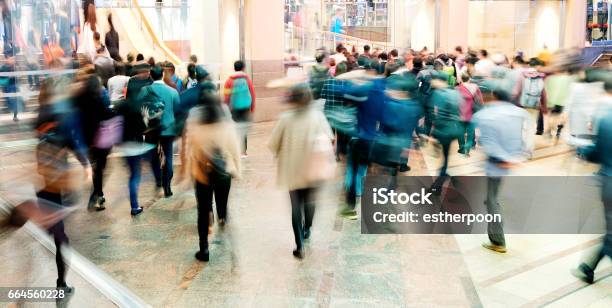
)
(134, 244)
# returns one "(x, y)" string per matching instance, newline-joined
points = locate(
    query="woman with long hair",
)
(88, 45)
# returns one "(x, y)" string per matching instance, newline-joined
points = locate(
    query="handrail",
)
(164, 49)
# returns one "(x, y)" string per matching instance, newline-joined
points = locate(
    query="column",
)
(264, 42)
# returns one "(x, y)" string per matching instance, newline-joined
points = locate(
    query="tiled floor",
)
(251, 262)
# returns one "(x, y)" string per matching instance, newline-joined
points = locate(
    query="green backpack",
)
(240, 98)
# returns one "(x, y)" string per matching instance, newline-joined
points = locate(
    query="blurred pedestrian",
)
(239, 95)
(214, 153)
(301, 141)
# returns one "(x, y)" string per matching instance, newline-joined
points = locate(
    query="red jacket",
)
(229, 85)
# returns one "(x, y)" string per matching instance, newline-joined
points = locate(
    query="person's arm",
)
(252, 90)
(544, 102)
(274, 144)
(227, 90)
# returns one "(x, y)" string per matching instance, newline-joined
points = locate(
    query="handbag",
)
(321, 161)
(109, 133)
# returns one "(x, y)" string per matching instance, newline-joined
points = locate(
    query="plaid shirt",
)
(333, 92)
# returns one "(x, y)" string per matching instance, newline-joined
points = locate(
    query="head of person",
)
(201, 74)
(193, 59)
(320, 57)
(518, 62)
(394, 54)
(338, 12)
(151, 61)
(383, 56)
(535, 63)
(191, 70)
(483, 54)
(458, 50)
(238, 66)
(130, 57)
(429, 60)
(341, 68)
(96, 37)
(139, 57)
(169, 67)
(366, 49)
(339, 48)
(210, 113)
(157, 72)
(119, 69)
(299, 95)
(417, 63)
(439, 64)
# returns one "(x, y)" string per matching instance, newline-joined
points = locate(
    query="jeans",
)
(163, 174)
(60, 238)
(98, 158)
(134, 166)
(494, 229)
(302, 213)
(219, 186)
(359, 153)
(467, 139)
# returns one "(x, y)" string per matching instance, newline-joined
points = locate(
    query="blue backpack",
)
(241, 95)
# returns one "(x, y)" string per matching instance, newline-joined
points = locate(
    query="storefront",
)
(367, 19)
(598, 21)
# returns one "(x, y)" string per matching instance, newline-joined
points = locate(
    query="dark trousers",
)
(163, 173)
(242, 117)
(606, 248)
(302, 213)
(359, 150)
(467, 139)
(134, 181)
(54, 200)
(219, 186)
(98, 159)
(494, 229)
(540, 124)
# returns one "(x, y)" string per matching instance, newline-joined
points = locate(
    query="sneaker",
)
(404, 168)
(168, 192)
(137, 211)
(306, 234)
(202, 256)
(221, 222)
(298, 253)
(93, 202)
(349, 214)
(244, 155)
(496, 248)
(584, 273)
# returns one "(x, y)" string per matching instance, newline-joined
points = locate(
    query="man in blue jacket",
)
(164, 136)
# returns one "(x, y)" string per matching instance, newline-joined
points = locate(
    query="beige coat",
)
(292, 142)
(203, 139)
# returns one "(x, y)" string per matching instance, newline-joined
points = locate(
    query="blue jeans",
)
(134, 163)
(163, 175)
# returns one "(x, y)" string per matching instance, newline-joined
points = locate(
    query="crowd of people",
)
(382, 106)
(378, 107)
